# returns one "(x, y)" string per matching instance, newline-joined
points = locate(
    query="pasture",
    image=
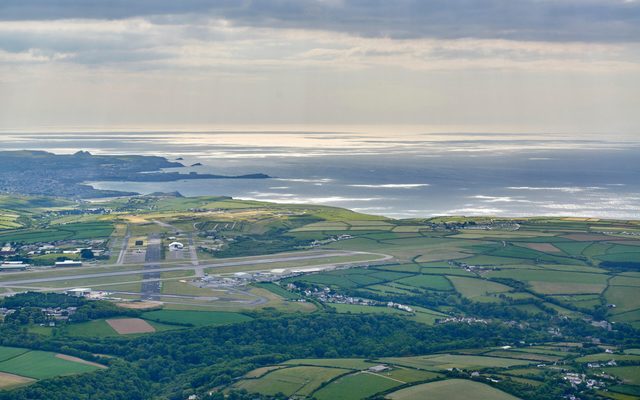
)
(356, 386)
(452, 389)
(294, 381)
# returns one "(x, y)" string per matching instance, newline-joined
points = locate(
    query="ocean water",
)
(388, 173)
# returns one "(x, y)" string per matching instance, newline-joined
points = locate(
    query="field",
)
(445, 361)
(356, 386)
(125, 326)
(351, 379)
(76, 231)
(293, 382)
(453, 389)
(40, 364)
(243, 261)
(195, 318)
(630, 374)
(10, 381)
(347, 378)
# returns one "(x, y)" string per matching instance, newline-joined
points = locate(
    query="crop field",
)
(195, 318)
(11, 381)
(125, 326)
(453, 389)
(42, 365)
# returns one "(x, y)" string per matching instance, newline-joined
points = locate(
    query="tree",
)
(86, 254)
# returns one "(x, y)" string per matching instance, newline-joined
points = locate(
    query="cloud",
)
(560, 20)
(499, 199)
(565, 189)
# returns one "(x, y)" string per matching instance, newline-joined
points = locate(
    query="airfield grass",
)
(42, 365)
(294, 381)
(452, 389)
(174, 286)
(278, 290)
(356, 386)
(195, 318)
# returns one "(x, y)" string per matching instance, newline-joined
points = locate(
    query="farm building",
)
(379, 368)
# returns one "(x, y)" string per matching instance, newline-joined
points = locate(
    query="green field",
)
(453, 389)
(195, 318)
(434, 282)
(40, 364)
(355, 387)
(10, 352)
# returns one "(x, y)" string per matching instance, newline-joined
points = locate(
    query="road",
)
(153, 267)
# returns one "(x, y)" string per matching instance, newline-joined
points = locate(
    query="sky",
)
(459, 65)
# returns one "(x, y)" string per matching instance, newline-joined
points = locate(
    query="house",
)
(7, 250)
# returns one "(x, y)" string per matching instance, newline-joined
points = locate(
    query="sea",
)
(390, 171)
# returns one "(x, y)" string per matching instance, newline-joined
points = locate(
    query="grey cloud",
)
(545, 20)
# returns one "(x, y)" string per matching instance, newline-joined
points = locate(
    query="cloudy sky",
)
(480, 65)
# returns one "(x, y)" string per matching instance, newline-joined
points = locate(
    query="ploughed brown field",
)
(126, 326)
